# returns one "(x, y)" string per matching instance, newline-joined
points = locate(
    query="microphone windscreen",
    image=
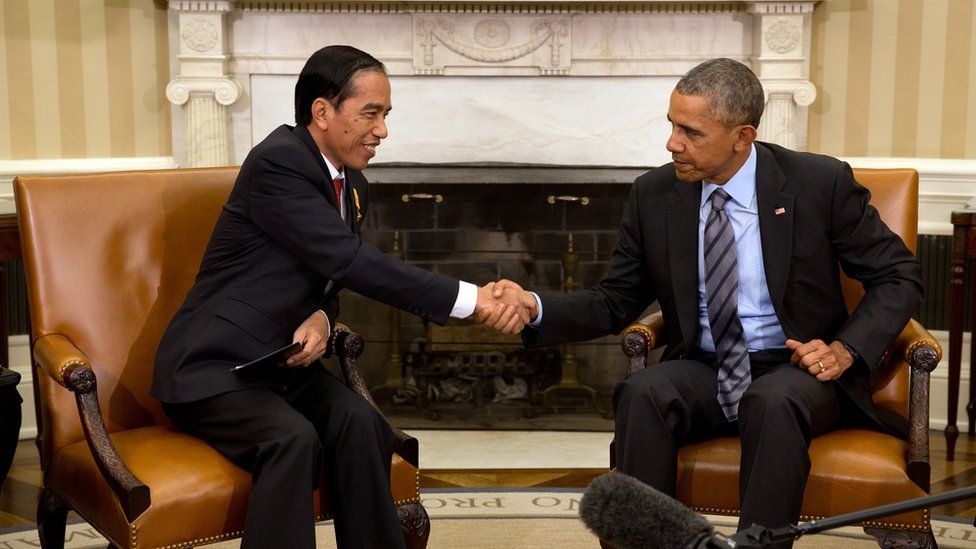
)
(629, 514)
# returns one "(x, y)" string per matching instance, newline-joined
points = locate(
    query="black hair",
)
(328, 74)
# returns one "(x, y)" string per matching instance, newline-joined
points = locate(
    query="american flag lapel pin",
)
(359, 210)
(780, 211)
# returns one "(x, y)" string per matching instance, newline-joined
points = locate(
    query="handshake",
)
(505, 306)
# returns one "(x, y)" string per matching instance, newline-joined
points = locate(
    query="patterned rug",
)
(528, 518)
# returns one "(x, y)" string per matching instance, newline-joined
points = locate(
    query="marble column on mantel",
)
(780, 57)
(203, 85)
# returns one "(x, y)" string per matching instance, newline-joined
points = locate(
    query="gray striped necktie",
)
(721, 290)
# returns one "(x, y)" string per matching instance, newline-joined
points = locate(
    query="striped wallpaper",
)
(86, 79)
(895, 78)
(83, 79)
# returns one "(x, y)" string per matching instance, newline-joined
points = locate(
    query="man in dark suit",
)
(739, 242)
(286, 242)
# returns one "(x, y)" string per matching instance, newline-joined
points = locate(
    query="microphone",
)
(629, 514)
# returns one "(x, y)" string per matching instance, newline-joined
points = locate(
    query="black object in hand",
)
(274, 358)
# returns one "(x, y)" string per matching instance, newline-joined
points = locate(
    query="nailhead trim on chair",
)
(415, 499)
(64, 367)
(209, 539)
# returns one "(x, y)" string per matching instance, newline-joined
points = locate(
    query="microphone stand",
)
(757, 537)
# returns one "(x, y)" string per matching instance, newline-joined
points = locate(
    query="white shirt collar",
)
(333, 172)
(741, 187)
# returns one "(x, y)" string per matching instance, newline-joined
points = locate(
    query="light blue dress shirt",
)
(759, 323)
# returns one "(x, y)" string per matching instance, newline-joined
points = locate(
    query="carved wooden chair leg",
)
(415, 524)
(902, 539)
(52, 514)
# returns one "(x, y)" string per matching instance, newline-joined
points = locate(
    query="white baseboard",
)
(19, 356)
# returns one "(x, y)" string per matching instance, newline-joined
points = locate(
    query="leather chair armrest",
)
(67, 365)
(58, 357)
(349, 346)
(640, 338)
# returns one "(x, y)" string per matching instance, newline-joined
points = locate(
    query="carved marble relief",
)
(783, 35)
(493, 45)
(200, 35)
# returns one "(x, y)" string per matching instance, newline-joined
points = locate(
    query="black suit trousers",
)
(288, 437)
(667, 405)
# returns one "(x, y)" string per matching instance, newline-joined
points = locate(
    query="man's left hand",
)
(313, 334)
(826, 362)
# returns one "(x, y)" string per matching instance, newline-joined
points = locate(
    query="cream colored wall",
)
(83, 79)
(895, 78)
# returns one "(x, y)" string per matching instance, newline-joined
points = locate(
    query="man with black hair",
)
(740, 242)
(286, 242)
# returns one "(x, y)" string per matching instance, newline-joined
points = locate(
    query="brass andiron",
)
(394, 360)
(569, 378)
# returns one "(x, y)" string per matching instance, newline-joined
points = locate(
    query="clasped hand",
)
(505, 306)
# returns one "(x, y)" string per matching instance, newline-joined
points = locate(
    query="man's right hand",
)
(510, 292)
(501, 310)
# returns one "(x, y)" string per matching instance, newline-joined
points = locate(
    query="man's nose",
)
(381, 130)
(674, 144)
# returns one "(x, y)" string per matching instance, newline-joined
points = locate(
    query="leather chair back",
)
(894, 193)
(135, 250)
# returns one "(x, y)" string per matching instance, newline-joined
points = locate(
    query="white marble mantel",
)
(563, 83)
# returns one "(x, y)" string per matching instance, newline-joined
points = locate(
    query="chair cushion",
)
(852, 469)
(185, 499)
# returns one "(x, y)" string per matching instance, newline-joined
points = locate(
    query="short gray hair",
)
(732, 89)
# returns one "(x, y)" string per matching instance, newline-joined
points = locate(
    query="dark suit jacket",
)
(827, 224)
(278, 243)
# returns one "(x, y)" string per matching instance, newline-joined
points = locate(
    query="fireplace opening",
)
(548, 229)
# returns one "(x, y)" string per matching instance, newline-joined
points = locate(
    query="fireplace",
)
(480, 223)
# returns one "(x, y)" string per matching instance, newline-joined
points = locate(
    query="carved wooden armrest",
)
(918, 347)
(67, 365)
(640, 338)
(349, 345)
(922, 352)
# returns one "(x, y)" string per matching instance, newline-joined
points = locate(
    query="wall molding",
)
(9, 169)
(491, 7)
(944, 185)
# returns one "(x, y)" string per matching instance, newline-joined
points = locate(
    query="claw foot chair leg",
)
(415, 524)
(902, 539)
(52, 514)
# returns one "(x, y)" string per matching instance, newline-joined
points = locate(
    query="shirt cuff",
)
(328, 323)
(466, 301)
(538, 307)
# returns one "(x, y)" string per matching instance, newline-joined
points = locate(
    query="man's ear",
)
(322, 113)
(745, 136)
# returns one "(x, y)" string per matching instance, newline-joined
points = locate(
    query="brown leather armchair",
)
(109, 258)
(852, 468)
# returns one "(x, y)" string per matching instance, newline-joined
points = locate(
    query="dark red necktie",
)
(337, 184)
